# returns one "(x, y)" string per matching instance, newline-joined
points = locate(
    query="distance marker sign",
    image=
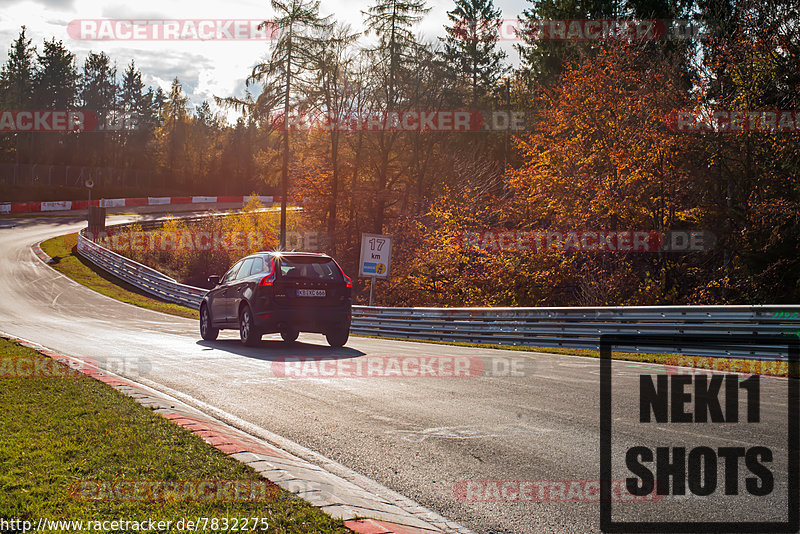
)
(376, 254)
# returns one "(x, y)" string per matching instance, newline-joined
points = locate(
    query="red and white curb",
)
(381, 512)
(41, 254)
(69, 205)
(334, 488)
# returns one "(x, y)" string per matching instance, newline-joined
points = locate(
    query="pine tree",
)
(55, 82)
(16, 83)
(157, 101)
(55, 87)
(16, 76)
(392, 21)
(98, 91)
(204, 115)
(173, 132)
(471, 45)
(132, 98)
(544, 60)
(297, 24)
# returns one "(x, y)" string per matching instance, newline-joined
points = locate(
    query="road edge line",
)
(271, 454)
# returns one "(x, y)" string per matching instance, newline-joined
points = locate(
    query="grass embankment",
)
(68, 263)
(61, 432)
(84, 272)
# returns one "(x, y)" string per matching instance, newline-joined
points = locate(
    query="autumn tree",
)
(602, 156)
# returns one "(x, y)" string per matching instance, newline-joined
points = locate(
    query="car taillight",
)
(267, 280)
(347, 281)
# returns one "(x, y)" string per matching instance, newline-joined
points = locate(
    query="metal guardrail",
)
(574, 328)
(147, 279)
(580, 328)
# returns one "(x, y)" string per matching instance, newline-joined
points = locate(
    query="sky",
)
(204, 68)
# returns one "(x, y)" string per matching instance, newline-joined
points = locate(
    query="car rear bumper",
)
(319, 320)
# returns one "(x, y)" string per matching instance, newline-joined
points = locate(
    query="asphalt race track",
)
(423, 437)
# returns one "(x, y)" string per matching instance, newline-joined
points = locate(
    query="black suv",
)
(286, 292)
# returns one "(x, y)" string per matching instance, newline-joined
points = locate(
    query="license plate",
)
(310, 292)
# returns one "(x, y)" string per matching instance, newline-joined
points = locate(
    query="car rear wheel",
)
(289, 335)
(247, 330)
(207, 332)
(337, 337)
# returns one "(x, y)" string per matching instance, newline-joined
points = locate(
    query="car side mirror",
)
(214, 279)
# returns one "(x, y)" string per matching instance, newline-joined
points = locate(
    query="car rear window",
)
(232, 272)
(256, 267)
(244, 272)
(310, 268)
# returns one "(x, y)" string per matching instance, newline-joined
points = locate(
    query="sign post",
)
(375, 262)
(89, 185)
(96, 217)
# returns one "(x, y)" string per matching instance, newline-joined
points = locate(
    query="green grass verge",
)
(70, 264)
(57, 431)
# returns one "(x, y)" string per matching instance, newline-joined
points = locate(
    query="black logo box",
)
(704, 342)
